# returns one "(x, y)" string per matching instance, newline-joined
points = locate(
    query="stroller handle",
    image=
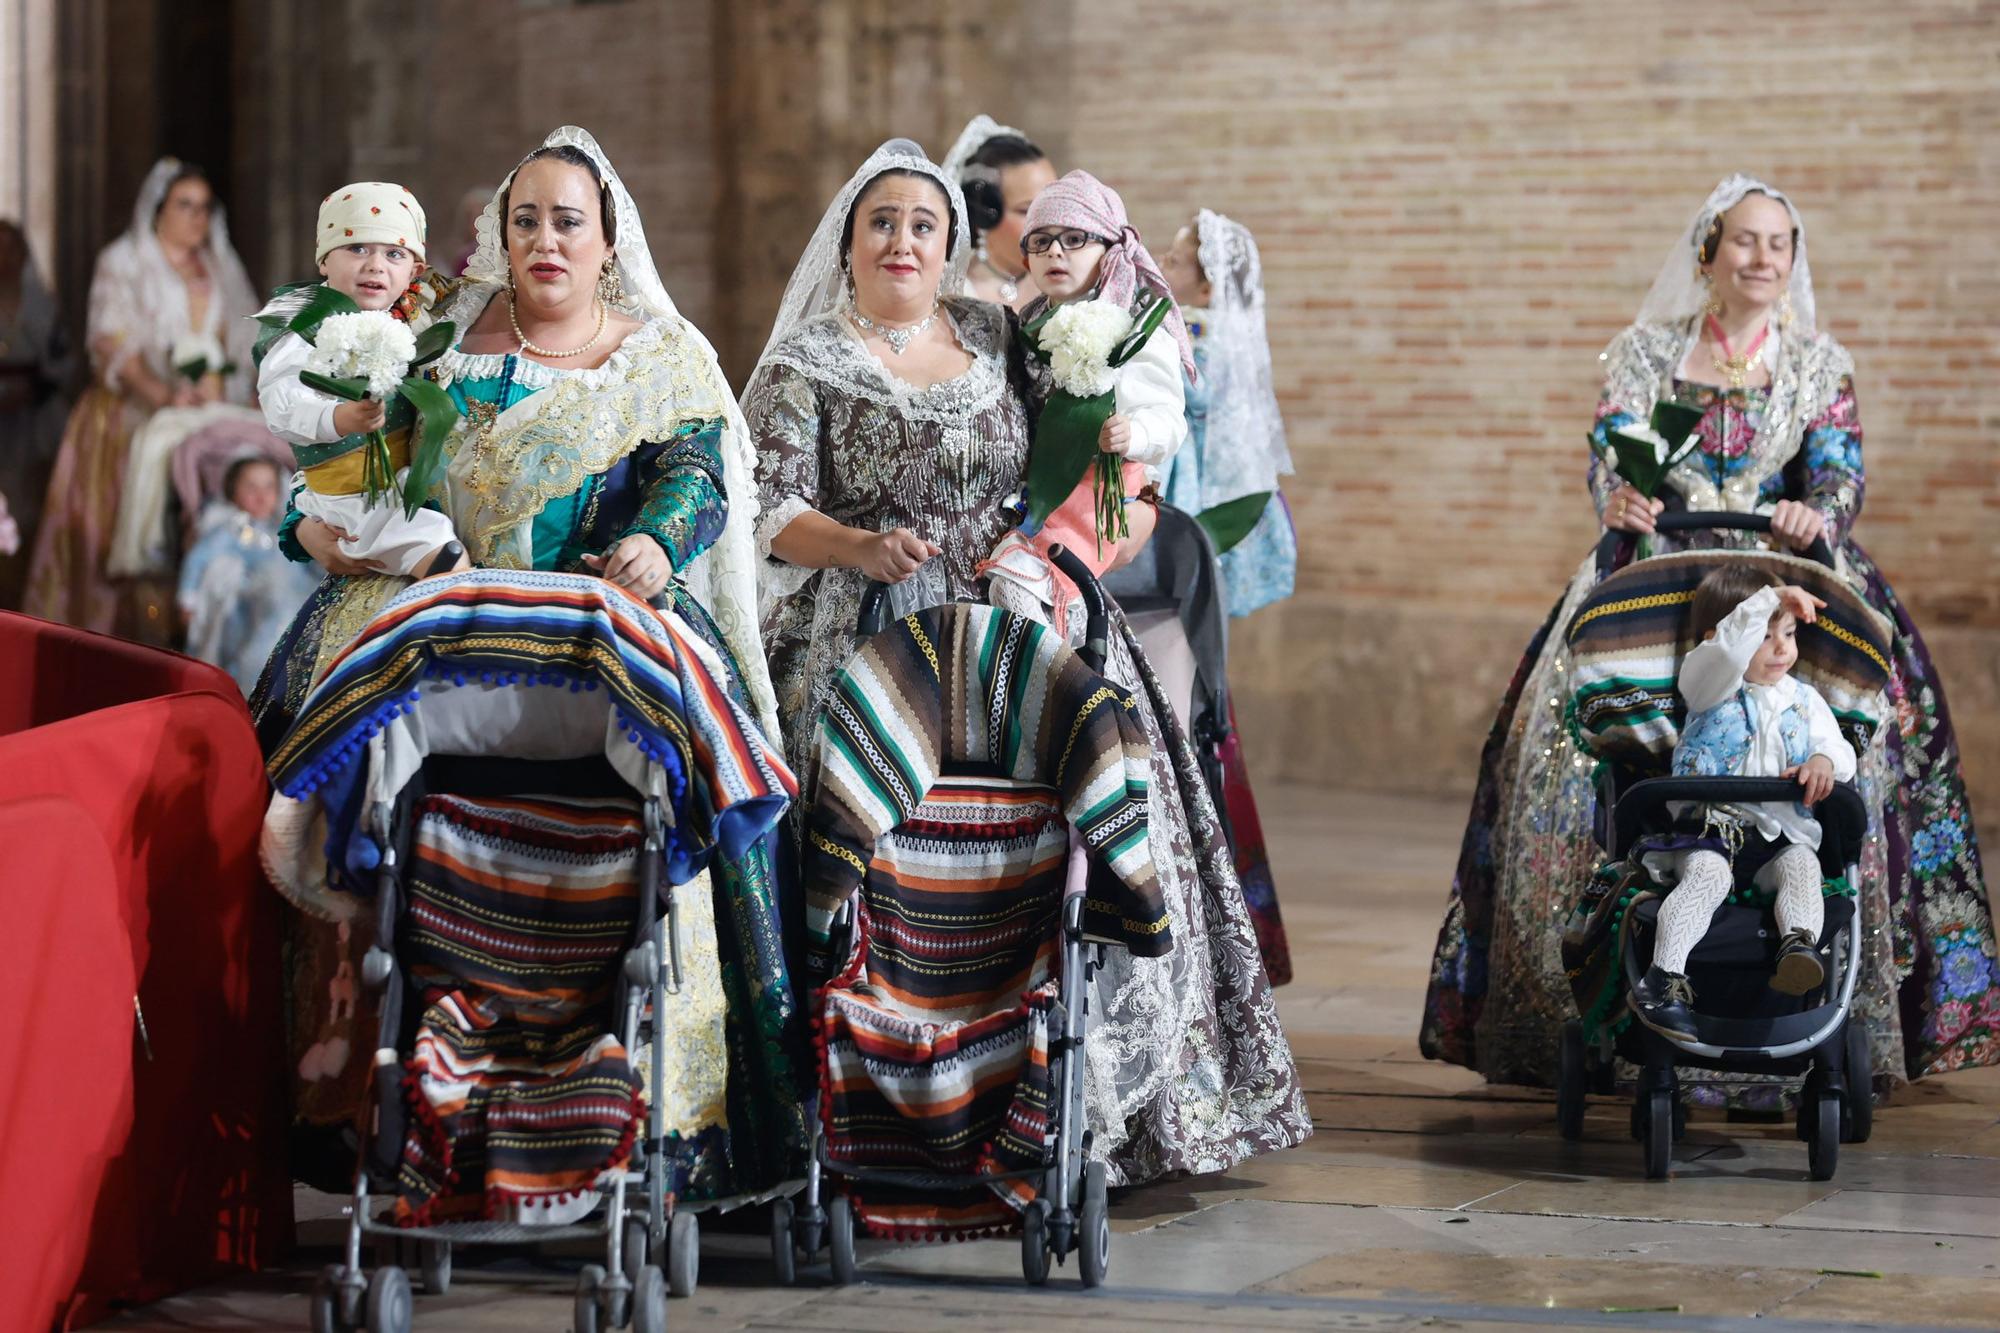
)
(874, 599)
(1097, 620)
(1842, 817)
(1696, 520)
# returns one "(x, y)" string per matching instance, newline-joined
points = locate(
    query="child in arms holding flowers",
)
(370, 248)
(1116, 350)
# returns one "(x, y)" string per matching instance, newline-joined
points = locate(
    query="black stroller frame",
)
(631, 1287)
(1820, 1039)
(1071, 1210)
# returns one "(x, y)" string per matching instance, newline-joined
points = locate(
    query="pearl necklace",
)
(1010, 287)
(899, 339)
(543, 352)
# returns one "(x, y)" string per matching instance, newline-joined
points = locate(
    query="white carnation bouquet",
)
(1079, 339)
(370, 345)
(1083, 343)
(197, 354)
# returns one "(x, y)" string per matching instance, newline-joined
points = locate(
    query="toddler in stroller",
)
(978, 827)
(1747, 717)
(515, 771)
(1767, 943)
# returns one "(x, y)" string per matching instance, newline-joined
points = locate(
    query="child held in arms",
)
(237, 589)
(1747, 716)
(1116, 351)
(370, 248)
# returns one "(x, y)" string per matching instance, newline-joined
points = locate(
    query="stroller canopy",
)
(524, 665)
(1627, 639)
(964, 687)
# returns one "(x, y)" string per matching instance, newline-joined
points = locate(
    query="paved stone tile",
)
(1881, 1210)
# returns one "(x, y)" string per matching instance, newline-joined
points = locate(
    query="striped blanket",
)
(661, 690)
(971, 688)
(935, 1038)
(520, 1095)
(1628, 637)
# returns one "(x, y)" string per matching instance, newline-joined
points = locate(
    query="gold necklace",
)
(543, 352)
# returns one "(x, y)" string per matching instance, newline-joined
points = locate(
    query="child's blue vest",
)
(1716, 742)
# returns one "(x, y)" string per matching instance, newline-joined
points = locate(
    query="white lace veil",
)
(970, 140)
(153, 313)
(818, 285)
(1244, 451)
(724, 578)
(645, 295)
(1678, 293)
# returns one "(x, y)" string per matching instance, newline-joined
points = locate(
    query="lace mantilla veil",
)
(970, 140)
(723, 578)
(818, 286)
(1246, 435)
(1678, 294)
(159, 317)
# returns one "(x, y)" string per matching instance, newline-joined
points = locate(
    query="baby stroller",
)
(1626, 641)
(977, 835)
(518, 768)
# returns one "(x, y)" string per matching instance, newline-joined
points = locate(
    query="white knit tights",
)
(1706, 881)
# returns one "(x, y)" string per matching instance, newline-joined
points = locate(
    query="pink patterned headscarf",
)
(1081, 200)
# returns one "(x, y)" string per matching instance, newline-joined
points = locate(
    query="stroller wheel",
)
(840, 1238)
(389, 1303)
(637, 1251)
(1571, 1082)
(649, 1301)
(584, 1314)
(435, 1256)
(1823, 1148)
(331, 1310)
(1094, 1242)
(1659, 1133)
(784, 1258)
(1859, 1122)
(1035, 1243)
(683, 1254)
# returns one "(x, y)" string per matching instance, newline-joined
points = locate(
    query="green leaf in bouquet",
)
(353, 390)
(1031, 333)
(1230, 522)
(1676, 423)
(433, 342)
(1065, 446)
(1149, 320)
(325, 301)
(192, 370)
(437, 414)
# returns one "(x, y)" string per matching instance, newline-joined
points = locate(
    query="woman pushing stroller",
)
(1748, 716)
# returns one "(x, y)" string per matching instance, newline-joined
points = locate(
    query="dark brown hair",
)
(235, 472)
(574, 157)
(1722, 591)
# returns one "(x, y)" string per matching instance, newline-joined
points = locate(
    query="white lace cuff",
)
(775, 519)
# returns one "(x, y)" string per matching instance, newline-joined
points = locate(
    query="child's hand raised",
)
(1800, 603)
(1815, 775)
(1116, 436)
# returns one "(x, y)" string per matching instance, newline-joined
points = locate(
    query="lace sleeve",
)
(1602, 478)
(1834, 479)
(117, 325)
(782, 411)
(685, 504)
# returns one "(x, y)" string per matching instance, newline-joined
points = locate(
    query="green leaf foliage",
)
(437, 414)
(1229, 523)
(1065, 446)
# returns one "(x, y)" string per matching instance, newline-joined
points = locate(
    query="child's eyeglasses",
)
(1041, 242)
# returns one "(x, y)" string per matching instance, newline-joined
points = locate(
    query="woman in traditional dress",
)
(599, 436)
(1235, 452)
(999, 171)
(1731, 327)
(171, 283)
(892, 430)
(35, 366)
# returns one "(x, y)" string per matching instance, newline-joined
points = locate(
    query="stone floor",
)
(1424, 1198)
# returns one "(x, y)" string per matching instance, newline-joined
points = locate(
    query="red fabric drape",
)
(143, 770)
